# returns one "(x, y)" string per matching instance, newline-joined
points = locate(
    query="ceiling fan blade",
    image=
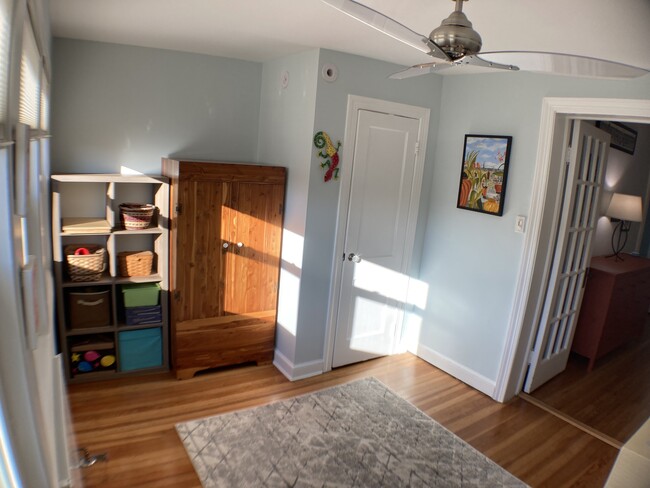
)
(388, 26)
(420, 69)
(565, 64)
(475, 60)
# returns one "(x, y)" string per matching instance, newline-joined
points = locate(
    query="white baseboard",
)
(464, 374)
(295, 372)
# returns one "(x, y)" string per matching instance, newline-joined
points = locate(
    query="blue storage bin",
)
(143, 315)
(140, 349)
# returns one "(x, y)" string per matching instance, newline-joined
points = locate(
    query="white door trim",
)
(356, 103)
(555, 113)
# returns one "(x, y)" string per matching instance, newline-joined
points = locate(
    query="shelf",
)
(149, 230)
(95, 375)
(122, 327)
(108, 280)
(91, 330)
(109, 178)
(82, 234)
(105, 280)
(138, 279)
(88, 207)
(117, 231)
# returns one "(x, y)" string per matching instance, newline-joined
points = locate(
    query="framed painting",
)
(484, 173)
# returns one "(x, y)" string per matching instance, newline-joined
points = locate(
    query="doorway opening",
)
(556, 114)
(604, 387)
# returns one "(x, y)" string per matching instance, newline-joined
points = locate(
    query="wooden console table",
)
(615, 306)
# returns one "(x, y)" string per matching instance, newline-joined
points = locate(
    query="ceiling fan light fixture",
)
(456, 37)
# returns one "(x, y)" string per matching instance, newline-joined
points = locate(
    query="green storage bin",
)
(140, 349)
(141, 294)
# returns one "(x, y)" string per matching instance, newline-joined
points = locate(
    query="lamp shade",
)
(625, 207)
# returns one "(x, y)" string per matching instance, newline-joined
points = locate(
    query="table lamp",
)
(623, 209)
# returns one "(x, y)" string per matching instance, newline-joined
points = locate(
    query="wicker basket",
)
(136, 216)
(135, 263)
(85, 267)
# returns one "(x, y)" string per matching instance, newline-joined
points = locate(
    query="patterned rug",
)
(359, 434)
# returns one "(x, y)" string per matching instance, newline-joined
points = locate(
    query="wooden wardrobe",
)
(225, 241)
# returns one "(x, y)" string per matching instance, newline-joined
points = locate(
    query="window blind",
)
(45, 104)
(30, 80)
(5, 36)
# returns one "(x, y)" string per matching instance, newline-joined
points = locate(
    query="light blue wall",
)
(285, 132)
(471, 260)
(115, 105)
(368, 78)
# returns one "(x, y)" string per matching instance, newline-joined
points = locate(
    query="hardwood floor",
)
(614, 398)
(132, 419)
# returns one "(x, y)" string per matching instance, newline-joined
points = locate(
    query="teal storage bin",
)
(140, 349)
(141, 294)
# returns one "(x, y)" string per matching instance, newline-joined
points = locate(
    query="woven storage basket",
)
(136, 216)
(85, 267)
(135, 263)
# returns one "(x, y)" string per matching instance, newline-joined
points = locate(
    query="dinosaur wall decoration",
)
(329, 153)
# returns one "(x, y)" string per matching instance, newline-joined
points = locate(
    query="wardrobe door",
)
(199, 257)
(226, 264)
(255, 225)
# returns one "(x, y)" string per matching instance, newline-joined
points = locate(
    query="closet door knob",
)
(240, 245)
(225, 245)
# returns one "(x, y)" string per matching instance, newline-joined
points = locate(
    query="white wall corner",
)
(457, 370)
(294, 372)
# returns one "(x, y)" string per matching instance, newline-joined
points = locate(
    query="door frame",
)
(355, 104)
(555, 119)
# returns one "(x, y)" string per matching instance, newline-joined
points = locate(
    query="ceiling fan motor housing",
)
(456, 37)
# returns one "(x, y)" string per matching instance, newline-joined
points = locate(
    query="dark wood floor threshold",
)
(576, 423)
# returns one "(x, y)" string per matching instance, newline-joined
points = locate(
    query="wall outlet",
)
(520, 224)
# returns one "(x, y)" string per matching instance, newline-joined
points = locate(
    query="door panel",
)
(578, 214)
(198, 253)
(251, 269)
(373, 290)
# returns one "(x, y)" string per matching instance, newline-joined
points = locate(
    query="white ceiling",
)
(259, 30)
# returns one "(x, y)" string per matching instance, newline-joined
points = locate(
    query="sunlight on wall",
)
(416, 300)
(288, 301)
(292, 248)
(289, 293)
(417, 294)
(125, 171)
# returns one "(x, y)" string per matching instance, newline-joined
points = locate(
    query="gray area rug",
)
(359, 434)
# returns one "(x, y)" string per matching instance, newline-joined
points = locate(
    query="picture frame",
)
(484, 173)
(623, 137)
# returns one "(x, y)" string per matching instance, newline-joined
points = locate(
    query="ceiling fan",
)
(456, 43)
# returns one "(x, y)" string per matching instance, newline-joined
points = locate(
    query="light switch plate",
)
(520, 224)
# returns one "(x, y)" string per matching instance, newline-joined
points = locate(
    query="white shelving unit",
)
(98, 197)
